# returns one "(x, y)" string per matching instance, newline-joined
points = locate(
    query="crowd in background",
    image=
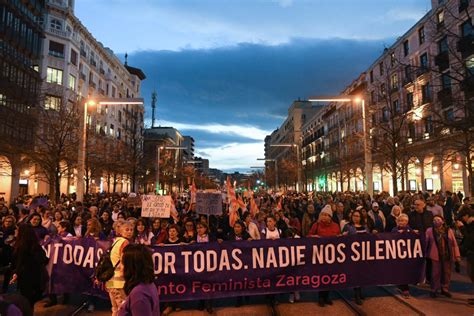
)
(445, 219)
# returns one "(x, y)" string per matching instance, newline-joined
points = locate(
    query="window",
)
(394, 81)
(56, 49)
(52, 103)
(54, 75)
(467, 29)
(470, 66)
(72, 82)
(449, 115)
(73, 57)
(425, 93)
(385, 114)
(396, 106)
(421, 35)
(443, 45)
(440, 18)
(406, 48)
(392, 59)
(372, 97)
(429, 124)
(408, 72)
(371, 76)
(56, 24)
(409, 100)
(111, 130)
(381, 69)
(446, 81)
(382, 89)
(424, 61)
(411, 130)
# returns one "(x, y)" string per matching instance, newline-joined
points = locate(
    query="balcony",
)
(421, 71)
(467, 85)
(56, 54)
(445, 97)
(393, 89)
(407, 80)
(59, 33)
(466, 46)
(83, 53)
(442, 61)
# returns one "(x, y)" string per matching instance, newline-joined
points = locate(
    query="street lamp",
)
(298, 169)
(82, 149)
(158, 149)
(276, 170)
(367, 151)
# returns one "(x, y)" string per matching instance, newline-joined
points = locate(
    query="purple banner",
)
(213, 270)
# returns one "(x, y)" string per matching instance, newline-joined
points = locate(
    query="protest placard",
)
(209, 203)
(134, 201)
(156, 206)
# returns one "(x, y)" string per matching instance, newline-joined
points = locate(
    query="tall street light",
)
(158, 150)
(276, 170)
(367, 152)
(81, 164)
(298, 169)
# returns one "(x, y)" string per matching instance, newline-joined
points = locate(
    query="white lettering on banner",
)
(156, 206)
(327, 253)
(164, 265)
(386, 250)
(293, 254)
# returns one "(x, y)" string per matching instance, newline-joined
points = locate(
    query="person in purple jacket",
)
(142, 294)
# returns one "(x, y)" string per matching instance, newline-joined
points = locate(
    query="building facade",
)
(419, 107)
(21, 39)
(76, 69)
(289, 136)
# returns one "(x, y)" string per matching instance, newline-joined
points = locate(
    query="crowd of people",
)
(444, 219)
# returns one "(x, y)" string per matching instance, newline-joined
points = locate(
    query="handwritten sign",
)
(209, 203)
(156, 206)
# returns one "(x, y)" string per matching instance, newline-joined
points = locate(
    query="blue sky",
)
(226, 71)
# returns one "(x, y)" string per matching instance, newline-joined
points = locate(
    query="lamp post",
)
(83, 147)
(367, 152)
(158, 150)
(276, 170)
(298, 169)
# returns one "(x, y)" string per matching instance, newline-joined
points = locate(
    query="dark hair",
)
(362, 220)
(33, 215)
(64, 224)
(26, 239)
(246, 213)
(142, 221)
(137, 266)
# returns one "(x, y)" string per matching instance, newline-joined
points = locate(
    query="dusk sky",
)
(227, 71)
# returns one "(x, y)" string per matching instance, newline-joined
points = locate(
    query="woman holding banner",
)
(356, 226)
(115, 286)
(142, 234)
(324, 227)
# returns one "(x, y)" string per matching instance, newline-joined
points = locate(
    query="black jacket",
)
(420, 221)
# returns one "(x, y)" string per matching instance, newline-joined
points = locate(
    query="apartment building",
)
(76, 69)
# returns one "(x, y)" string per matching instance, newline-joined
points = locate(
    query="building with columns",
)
(419, 101)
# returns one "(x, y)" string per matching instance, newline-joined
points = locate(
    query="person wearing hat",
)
(324, 227)
(378, 218)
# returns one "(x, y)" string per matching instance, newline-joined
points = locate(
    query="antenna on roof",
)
(153, 107)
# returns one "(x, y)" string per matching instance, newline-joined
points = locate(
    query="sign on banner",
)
(239, 268)
(209, 203)
(156, 206)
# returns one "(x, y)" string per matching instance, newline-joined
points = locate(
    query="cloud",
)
(235, 155)
(243, 131)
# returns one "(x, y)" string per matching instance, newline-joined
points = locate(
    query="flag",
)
(241, 203)
(193, 193)
(253, 207)
(174, 212)
(233, 212)
(230, 190)
(279, 207)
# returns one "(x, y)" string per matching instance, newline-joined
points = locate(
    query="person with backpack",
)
(115, 286)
